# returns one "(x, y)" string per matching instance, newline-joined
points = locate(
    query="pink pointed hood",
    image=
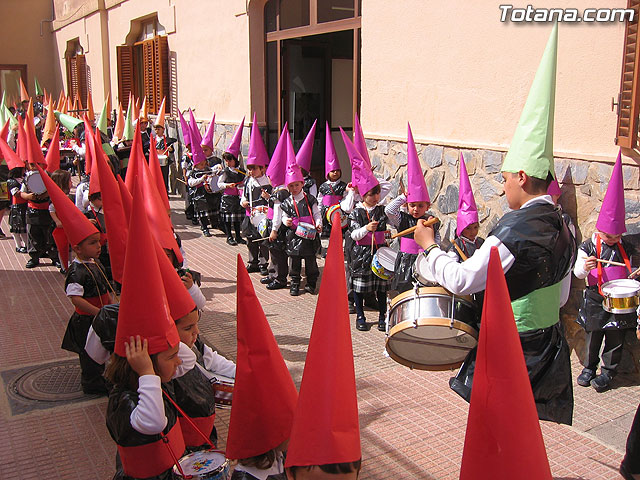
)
(303, 158)
(278, 165)
(612, 213)
(236, 141)
(417, 187)
(194, 131)
(467, 210)
(359, 142)
(293, 173)
(331, 162)
(208, 136)
(257, 152)
(554, 188)
(186, 134)
(196, 148)
(362, 176)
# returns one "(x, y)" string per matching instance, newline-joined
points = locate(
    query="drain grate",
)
(44, 386)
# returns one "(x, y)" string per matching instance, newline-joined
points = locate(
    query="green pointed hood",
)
(67, 121)
(38, 87)
(3, 115)
(531, 149)
(128, 125)
(10, 116)
(102, 121)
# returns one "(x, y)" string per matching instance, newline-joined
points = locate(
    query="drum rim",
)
(439, 290)
(436, 322)
(221, 467)
(618, 311)
(618, 295)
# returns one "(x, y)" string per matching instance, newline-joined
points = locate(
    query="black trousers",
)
(91, 376)
(258, 253)
(632, 456)
(40, 242)
(278, 265)
(310, 268)
(612, 353)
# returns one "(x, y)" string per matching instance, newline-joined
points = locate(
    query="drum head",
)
(387, 258)
(621, 288)
(203, 464)
(433, 345)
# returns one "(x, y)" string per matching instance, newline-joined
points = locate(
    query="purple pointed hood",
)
(196, 149)
(293, 173)
(554, 188)
(417, 187)
(236, 141)
(303, 158)
(278, 165)
(362, 176)
(257, 152)
(359, 142)
(196, 137)
(467, 210)
(186, 134)
(331, 162)
(208, 136)
(612, 213)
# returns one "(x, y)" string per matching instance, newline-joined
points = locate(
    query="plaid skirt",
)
(368, 283)
(232, 216)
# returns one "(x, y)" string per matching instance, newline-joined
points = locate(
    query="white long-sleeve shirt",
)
(471, 276)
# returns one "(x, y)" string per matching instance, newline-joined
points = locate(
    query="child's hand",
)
(319, 227)
(265, 195)
(58, 224)
(590, 263)
(638, 333)
(288, 222)
(187, 279)
(372, 226)
(245, 204)
(273, 236)
(138, 356)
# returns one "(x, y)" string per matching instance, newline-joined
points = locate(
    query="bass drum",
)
(431, 329)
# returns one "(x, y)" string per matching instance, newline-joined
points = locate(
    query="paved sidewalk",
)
(412, 424)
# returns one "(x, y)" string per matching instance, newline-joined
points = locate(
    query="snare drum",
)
(223, 390)
(4, 191)
(306, 230)
(257, 215)
(424, 280)
(384, 262)
(431, 329)
(621, 296)
(263, 227)
(34, 182)
(344, 220)
(205, 464)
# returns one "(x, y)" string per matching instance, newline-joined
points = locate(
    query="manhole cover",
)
(49, 383)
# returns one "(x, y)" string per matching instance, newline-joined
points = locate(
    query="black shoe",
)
(240, 240)
(265, 280)
(310, 288)
(264, 271)
(32, 263)
(63, 271)
(231, 241)
(626, 473)
(382, 324)
(22, 250)
(206, 232)
(253, 268)
(96, 390)
(352, 308)
(194, 221)
(56, 263)
(276, 285)
(2, 235)
(362, 325)
(584, 379)
(294, 291)
(601, 382)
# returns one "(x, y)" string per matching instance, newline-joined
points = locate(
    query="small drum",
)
(223, 390)
(205, 464)
(431, 329)
(4, 191)
(306, 230)
(35, 184)
(384, 262)
(257, 215)
(263, 227)
(424, 280)
(344, 219)
(621, 296)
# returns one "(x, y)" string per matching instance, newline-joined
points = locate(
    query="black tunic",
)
(403, 271)
(281, 241)
(248, 229)
(205, 203)
(231, 203)
(592, 316)
(328, 188)
(469, 248)
(296, 245)
(240, 475)
(309, 182)
(105, 323)
(17, 211)
(361, 255)
(95, 285)
(104, 257)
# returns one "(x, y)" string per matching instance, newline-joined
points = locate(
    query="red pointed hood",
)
(503, 437)
(264, 396)
(34, 151)
(156, 174)
(11, 157)
(53, 154)
(76, 225)
(325, 426)
(135, 158)
(144, 309)
(180, 301)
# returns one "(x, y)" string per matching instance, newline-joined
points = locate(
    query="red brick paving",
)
(412, 424)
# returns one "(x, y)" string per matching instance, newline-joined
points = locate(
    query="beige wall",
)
(461, 77)
(22, 43)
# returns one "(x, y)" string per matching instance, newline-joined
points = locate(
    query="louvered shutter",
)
(161, 47)
(81, 74)
(627, 129)
(124, 55)
(148, 74)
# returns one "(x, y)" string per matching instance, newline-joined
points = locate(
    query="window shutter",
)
(72, 76)
(124, 55)
(148, 76)
(628, 103)
(161, 46)
(81, 75)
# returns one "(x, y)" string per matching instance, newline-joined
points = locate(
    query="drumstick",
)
(617, 264)
(408, 231)
(260, 239)
(182, 181)
(634, 273)
(462, 255)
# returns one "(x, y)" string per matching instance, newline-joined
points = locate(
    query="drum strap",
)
(295, 205)
(599, 267)
(189, 421)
